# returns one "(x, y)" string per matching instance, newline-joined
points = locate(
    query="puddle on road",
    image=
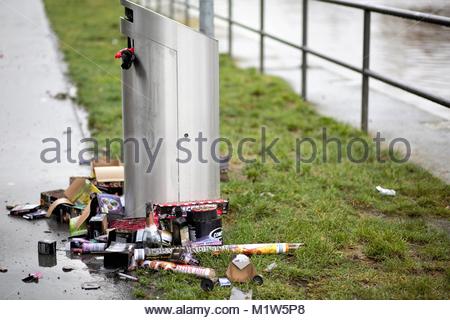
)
(19, 255)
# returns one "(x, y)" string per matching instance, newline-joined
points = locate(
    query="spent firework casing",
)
(202, 272)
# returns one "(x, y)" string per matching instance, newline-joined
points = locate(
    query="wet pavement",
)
(32, 109)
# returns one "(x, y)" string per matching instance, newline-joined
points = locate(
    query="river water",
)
(413, 52)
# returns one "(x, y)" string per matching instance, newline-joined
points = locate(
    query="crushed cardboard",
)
(57, 203)
(108, 171)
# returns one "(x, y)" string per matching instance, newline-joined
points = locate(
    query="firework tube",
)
(248, 249)
(201, 272)
(90, 247)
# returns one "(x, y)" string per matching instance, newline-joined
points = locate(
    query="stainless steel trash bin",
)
(171, 92)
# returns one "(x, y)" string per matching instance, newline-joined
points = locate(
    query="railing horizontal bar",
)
(338, 62)
(402, 13)
(418, 92)
(288, 43)
(243, 26)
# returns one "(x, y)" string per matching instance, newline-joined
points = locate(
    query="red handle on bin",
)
(119, 53)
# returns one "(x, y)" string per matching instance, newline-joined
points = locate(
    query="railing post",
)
(365, 77)
(304, 45)
(159, 6)
(207, 17)
(172, 9)
(186, 12)
(261, 39)
(230, 28)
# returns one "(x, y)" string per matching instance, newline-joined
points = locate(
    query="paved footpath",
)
(31, 72)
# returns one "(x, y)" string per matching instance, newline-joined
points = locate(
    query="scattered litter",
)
(72, 92)
(201, 272)
(59, 95)
(67, 269)
(248, 249)
(224, 282)
(90, 286)
(20, 210)
(47, 261)
(386, 192)
(207, 284)
(89, 247)
(268, 194)
(242, 270)
(39, 214)
(47, 247)
(32, 277)
(118, 255)
(3, 270)
(167, 239)
(237, 294)
(182, 256)
(258, 280)
(270, 267)
(127, 276)
(9, 207)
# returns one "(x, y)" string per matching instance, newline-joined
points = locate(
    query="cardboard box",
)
(118, 255)
(167, 210)
(110, 187)
(109, 175)
(123, 236)
(80, 191)
(165, 213)
(63, 210)
(111, 205)
(48, 197)
(72, 178)
(104, 170)
(72, 211)
(97, 226)
(76, 230)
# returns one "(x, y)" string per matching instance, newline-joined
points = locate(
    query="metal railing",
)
(364, 69)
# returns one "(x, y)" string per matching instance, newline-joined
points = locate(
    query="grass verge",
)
(359, 244)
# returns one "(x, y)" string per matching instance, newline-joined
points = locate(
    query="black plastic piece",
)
(258, 280)
(127, 59)
(207, 284)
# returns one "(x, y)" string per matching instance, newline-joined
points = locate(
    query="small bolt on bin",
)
(170, 95)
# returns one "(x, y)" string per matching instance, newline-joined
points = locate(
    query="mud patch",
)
(372, 213)
(440, 224)
(356, 253)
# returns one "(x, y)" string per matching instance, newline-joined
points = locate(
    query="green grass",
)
(358, 244)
